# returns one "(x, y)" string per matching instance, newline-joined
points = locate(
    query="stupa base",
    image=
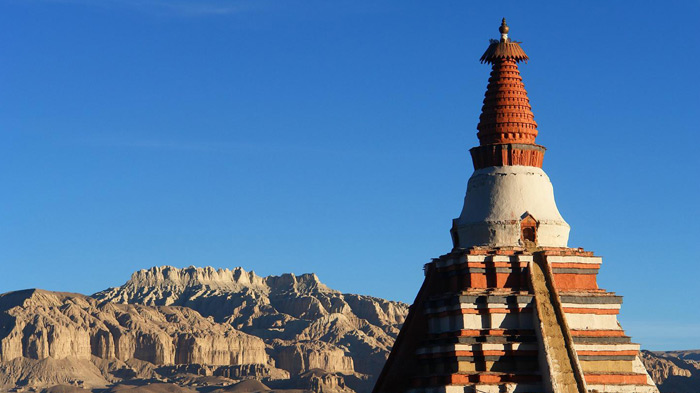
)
(514, 320)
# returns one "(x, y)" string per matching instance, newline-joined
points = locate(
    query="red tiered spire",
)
(506, 116)
(507, 128)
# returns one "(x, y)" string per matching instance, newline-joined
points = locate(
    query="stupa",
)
(512, 308)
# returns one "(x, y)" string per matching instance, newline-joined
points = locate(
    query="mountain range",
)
(217, 330)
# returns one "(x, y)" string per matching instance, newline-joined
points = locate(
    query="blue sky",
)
(332, 137)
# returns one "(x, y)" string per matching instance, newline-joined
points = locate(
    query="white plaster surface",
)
(454, 389)
(487, 388)
(638, 367)
(592, 322)
(484, 388)
(595, 306)
(499, 197)
(496, 306)
(477, 347)
(484, 258)
(624, 388)
(606, 347)
(574, 259)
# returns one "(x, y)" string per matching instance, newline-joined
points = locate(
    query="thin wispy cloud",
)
(191, 146)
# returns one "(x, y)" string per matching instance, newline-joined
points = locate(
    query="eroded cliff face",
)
(305, 324)
(37, 324)
(199, 326)
(674, 371)
(173, 325)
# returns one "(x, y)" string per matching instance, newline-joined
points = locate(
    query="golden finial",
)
(503, 49)
(504, 30)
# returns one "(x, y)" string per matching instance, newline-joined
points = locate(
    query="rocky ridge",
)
(674, 371)
(37, 324)
(214, 330)
(305, 324)
(196, 326)
(51, 337)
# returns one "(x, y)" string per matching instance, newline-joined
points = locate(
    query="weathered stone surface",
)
(335, 344)
(194, 325)
(320, 381)
(306, 324)
(674, 371)
(49, 372)
(661, 368)
(302, 356)
(39, 324)
(65, 389)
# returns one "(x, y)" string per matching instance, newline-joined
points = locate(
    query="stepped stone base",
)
(474, 327)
